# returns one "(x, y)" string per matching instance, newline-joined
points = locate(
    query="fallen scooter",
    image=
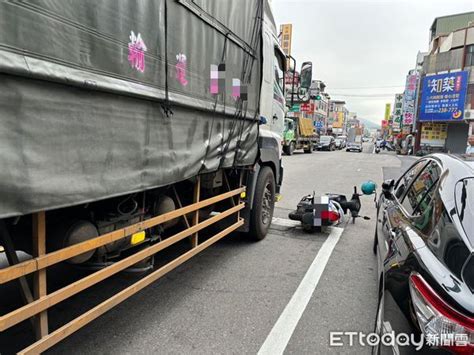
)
(315, 212)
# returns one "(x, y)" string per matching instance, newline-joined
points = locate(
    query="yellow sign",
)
(434, 131)
(286, 31)
(339, 120)
(388, 109)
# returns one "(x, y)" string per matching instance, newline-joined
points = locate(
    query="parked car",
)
(340, 143)
(424, 240)
(326, 143)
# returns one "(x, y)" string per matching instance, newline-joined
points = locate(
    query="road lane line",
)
(281, 333)
(284, 222)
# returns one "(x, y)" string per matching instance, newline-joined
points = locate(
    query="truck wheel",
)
(308, 150)
(263, 204)
(291, 148)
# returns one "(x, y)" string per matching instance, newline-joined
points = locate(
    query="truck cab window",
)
(279, 71)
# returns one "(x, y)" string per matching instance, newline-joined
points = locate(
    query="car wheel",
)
(263, 204)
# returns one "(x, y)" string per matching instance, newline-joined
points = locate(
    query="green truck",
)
(299, 133)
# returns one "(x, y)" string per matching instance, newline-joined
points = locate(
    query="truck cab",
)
(264, 182)
(289, 132)
(272, 100)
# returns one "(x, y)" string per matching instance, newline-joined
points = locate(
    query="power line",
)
(362, 95)
(369, 87)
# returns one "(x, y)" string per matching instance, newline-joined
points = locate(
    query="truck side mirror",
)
(306, 76)
(387, 188)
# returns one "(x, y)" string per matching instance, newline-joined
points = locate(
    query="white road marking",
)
(281, 333)
(285, 222)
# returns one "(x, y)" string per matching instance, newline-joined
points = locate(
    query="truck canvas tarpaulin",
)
(104, 98)
(306, 127)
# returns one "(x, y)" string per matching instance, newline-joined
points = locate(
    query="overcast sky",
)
(362, 47)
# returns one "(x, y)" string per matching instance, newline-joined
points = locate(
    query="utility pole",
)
(418, 85)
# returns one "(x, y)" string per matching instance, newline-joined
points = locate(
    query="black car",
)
(424, 240)
(326, 143)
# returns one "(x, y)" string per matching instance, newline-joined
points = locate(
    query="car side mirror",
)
(387, 188)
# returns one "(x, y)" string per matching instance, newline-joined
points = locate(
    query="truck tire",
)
(263, 204)
(308, 150)
(290, 149)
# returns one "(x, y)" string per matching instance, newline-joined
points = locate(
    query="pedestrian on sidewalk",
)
(470, 145)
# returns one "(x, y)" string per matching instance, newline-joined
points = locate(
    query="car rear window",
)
(464, 194)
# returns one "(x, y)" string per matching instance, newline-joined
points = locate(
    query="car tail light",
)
(441, 325)
(331, 216)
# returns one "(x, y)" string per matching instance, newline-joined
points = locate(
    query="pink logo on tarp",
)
(136, 52)
(181, 69)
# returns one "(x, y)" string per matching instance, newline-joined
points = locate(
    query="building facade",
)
(338, 114)
(320, 101)
(445, 99)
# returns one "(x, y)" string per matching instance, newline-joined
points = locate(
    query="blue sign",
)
(443, 97)
(318, 124)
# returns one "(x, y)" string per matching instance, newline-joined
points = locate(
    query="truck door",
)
(272, 100)
(278, 107)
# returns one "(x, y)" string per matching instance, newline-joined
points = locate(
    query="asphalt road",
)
(229, 299)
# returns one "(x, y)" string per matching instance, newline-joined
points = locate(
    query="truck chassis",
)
(38, 301)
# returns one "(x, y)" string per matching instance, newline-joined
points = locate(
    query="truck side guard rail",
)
(36, 309)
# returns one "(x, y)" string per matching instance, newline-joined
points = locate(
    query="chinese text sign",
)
(443, 97)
